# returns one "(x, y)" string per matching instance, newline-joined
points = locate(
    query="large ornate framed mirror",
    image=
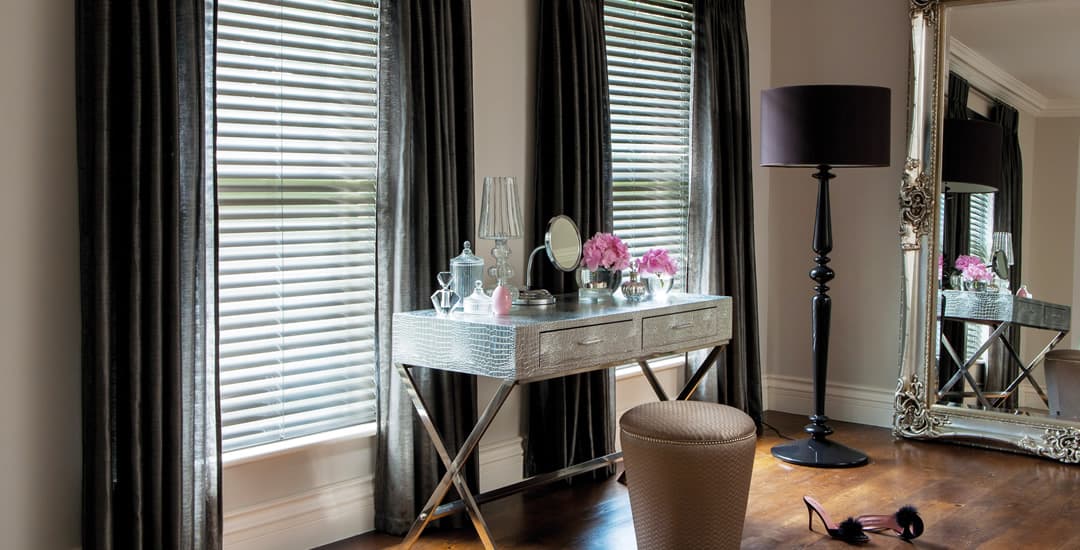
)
(971, 368)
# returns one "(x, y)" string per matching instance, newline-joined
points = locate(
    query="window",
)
(649, 47)
(297, 103)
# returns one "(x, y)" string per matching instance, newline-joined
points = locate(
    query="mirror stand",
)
(530, 296)
(563, 245)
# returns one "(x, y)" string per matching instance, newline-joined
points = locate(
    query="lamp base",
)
(819, 453)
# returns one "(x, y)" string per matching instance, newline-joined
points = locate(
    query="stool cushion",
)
(690, 422)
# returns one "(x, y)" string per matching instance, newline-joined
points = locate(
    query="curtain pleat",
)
(1008, 209)
(956, 242)
(151, 462)
(425, 212)
(570, 419)
(721, 228)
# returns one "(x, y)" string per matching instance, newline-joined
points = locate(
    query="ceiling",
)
(1036, 41)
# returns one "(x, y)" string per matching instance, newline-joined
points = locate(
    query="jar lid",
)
(478, 302)
(467, 257)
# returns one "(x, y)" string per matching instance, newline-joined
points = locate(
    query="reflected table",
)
(540, 343)
(1000, 311)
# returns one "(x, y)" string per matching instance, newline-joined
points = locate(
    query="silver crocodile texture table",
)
(1001, 311)
(537, 343)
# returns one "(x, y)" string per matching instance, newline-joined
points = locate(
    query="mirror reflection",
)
(1009, 267)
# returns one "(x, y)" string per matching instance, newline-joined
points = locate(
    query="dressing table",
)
(1000, 311)
(532, 344)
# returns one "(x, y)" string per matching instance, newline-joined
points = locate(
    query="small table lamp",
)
(500, 220)
(823, 127)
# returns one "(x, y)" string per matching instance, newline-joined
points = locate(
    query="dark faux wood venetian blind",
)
(296, 144)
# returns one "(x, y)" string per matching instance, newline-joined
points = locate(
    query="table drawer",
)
(1057, 317)
(679, 327)
(582, 344)
(1027, 312)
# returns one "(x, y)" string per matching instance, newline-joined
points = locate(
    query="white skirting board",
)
(845, 402)
(1030, 398)
(342, 510)
(316, 517)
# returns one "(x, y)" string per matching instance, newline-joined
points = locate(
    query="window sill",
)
(633, 370)
(262, 452)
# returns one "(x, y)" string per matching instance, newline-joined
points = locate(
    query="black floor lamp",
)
(823, 127)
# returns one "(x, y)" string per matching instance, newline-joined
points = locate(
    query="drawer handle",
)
(590, 341)
(681, 326)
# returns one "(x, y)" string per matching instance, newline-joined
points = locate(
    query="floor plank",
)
(968, 498)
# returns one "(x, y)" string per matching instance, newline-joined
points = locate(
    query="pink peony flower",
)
(605, 250)
(962, 262)
(657, 260)
(972, 268)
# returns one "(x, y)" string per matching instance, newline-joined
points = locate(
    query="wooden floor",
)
(968, 498)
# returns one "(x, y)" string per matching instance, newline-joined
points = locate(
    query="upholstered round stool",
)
(1062, 368)
(688, 466)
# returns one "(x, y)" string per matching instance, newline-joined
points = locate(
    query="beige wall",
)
(849, 42)
(40, 457)
(504, 92)
(759, 37)
(1050, 222)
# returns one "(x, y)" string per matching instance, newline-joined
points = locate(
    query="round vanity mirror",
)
(1000, 264)
(563, 243)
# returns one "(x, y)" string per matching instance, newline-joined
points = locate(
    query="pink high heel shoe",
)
(849, 530)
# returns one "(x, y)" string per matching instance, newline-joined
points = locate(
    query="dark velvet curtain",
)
(956, 240)
(570, 419)
(721, 224)
(425, 212)
(1008, 208)
(151, 462)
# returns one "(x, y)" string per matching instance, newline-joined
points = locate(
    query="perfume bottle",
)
(634, 290)
(445, 299)
(501, 300)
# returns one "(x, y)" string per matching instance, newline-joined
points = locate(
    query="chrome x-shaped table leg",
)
(691, 385)
(965, 365)
(453, 467)
(1025, 370)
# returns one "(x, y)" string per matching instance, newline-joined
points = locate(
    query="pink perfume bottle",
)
(501, 300)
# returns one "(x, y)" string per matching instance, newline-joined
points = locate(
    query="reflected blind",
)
(649, 47)
(296, 144)
(981, 234)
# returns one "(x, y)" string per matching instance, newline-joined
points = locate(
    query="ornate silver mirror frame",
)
(916, 416)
